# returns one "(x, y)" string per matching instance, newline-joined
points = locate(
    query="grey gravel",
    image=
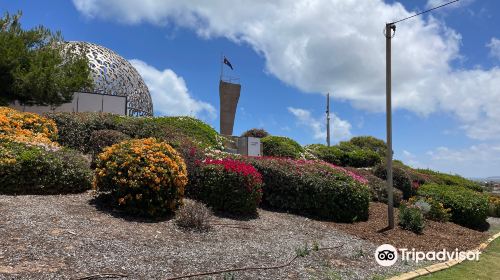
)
(66, 237)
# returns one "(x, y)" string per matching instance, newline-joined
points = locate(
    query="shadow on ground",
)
(104, 203)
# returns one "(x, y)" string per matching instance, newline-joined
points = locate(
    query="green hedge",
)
(468, 208)
(227, 185)
(332, 154)
(345, 154)
(100, 139)
(279, 146)
(378, 187)
(400, 179)
(370, 143)
(450, 180)
(26, 169)
(313, 187)
(75, 129)
(255, 132)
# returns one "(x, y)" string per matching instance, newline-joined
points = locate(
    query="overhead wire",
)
(426, 11)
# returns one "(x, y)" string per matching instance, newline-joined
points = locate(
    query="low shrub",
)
(143, 176)
(193, 215)
(278, 146)
(26, 127)
(378, 187)
(313, 187)
(331, 154)
(103, 138)
(370, 143)
(345, 154)
(362, 158)
(468, 208)
(450, 180)
(432, 209)
(227, 185)
(75, 129)
(494, 209)
(255, 132)
(28, 169)
(411, 218)
(400, 179)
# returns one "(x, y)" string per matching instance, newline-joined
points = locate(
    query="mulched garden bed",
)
(67, 237)
(436, 236)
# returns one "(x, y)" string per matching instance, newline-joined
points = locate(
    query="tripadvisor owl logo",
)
(386, 255)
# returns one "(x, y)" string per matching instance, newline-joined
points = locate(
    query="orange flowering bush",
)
(26, 127)
(144, 176)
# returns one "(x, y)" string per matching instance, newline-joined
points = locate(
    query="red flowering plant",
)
(313, 187)
(227, 185)
(415, 185)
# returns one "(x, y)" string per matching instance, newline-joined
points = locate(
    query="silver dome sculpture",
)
(114, 75)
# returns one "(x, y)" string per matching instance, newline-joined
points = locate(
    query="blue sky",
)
(446, 77)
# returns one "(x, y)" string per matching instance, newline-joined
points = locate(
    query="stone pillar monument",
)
(229, 95)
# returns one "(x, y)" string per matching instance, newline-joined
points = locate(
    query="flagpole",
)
(221, 65)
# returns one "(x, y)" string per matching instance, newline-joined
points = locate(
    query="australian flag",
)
(226, 61)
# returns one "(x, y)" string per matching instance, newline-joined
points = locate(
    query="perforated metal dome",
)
(114, 75)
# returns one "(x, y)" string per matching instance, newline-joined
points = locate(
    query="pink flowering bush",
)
(227, 185)
(313, 187)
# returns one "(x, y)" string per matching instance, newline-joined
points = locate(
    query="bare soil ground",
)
(436, 236)
(68, 237)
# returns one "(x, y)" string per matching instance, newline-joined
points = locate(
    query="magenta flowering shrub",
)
(227, 185)
(314, 188)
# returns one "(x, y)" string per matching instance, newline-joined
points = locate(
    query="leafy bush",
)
(370, 143)
(143, 176)
(227, 185)
(411, 218)
(279, 146)
(433, 210)
(378, 187)
(75, 129)
(345, 154)
(362, 158)
(313, 187)
(103, 138)
(450, 180)
(332, 154)
(494, 209)
(26, 127)
(468, 208)
(193, 215)
(28, 169)
(255, 132)
(192, 128)
(400, 179)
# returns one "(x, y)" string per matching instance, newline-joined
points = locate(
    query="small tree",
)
(35, 66)
(370, 143)
(255, 132)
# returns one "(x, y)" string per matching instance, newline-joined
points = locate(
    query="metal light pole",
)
(388, 32)
(390, 203)
(328, 119)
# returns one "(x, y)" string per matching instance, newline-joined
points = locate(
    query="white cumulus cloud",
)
(435, 3)
(337, 45)
(341, 128)
(481, 160)
(494, 46)
(169, 92)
